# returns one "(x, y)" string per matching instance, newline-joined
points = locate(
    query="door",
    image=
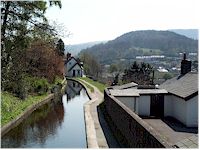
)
(74, 73)
(157, 105)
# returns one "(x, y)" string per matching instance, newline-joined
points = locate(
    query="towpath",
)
(98, 132)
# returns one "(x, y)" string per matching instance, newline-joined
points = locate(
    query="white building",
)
(73, 68)
(144, 102)
(181, 102)
(177, 97)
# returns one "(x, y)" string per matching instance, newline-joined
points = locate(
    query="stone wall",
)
(129, 129)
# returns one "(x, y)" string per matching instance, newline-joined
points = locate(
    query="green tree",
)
(91, 65)
(113, 68)
(19, 21)
(167, 76)
(138, 73)
(60, 47)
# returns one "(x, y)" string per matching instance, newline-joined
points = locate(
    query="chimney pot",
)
(184, 56)
(185, 65)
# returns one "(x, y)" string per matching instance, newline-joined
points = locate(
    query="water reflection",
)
(73, 89)
(58, 124)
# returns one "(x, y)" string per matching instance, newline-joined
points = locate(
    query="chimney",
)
(68, 56)
(185, 65)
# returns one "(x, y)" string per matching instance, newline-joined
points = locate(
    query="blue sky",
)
(97, 20)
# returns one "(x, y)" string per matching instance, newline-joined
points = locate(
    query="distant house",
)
(73, 67)
(177, 97)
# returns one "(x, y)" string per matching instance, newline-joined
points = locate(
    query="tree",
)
(116, 80)
(42, 60)
(167, 76)
(113, 68)
(20, 20)
(91, 65)
(138, 73)
(60, 47)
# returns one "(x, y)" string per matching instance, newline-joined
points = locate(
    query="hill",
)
(191, 33)
(145, 42)
(76, 48)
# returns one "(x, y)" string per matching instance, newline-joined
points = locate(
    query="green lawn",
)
(11, 106)
(100, 86)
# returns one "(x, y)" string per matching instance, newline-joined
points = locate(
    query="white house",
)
(144, 102)
(177, 97)
(181, 102)
(73, 67)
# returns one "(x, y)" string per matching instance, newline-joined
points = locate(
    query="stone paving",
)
(177, 138)
(191, 142)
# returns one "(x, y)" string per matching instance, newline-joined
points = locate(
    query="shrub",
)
(37, 85)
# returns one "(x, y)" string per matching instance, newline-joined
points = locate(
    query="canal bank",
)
(98, 133)
(13, 123)
(45, 128)
(57, 124)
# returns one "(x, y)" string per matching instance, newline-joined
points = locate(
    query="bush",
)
(57, 80)
(37, 85)
(167, 76)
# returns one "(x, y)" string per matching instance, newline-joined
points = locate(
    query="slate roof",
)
(77, 63)
(70, 59)
(184, 86)
(125, 86)
(74, 66)
(136, 92)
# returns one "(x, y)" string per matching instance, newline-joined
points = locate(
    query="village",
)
(169, 110)
(99, 74)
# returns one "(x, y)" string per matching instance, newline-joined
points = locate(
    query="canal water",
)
(58, 124)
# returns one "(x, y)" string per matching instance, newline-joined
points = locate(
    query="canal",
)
(58, 124)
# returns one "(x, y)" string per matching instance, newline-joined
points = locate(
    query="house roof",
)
(66, 61)
(70, 59)
(75, 65)
(125, 86)
(77, 62)
(136, 92)
(183, 86)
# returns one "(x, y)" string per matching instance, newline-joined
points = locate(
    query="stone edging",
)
(92, 126)
(13, 123)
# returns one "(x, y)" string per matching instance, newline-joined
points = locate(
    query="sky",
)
(100, 20)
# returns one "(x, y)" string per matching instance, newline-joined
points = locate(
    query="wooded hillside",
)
(146, 42)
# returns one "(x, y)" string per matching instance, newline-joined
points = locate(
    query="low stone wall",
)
(129, 128)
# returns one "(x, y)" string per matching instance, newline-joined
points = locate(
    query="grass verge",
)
(87, 85)
(11, 106)
(100, 86)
